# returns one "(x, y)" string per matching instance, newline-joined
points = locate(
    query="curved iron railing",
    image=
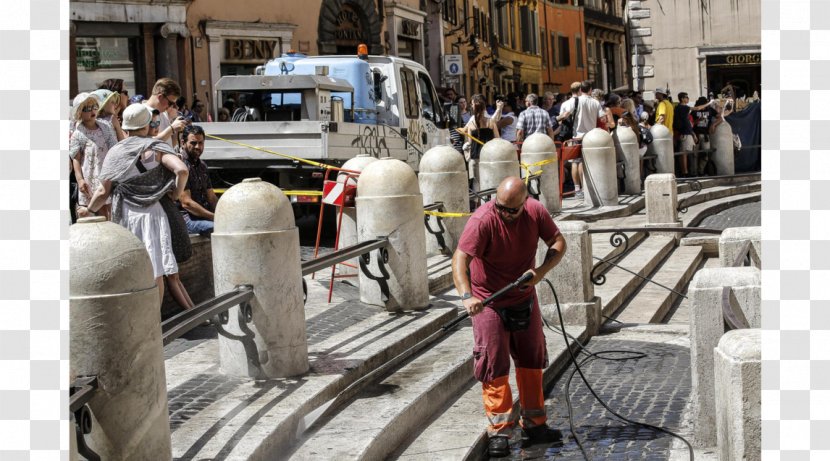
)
(697, 187)
(733, 315)
(80, 394)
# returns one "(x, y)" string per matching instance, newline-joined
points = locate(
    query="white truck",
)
(324, 108)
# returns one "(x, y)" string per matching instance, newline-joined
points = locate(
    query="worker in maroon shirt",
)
(497, 247)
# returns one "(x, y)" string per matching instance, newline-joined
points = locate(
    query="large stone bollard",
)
(706, 328)
(255, 242)
(115, 333)
(663, 148)
(538, 148)
(348, 226)
(732, 240)
(724, 155)
(571, 279)
(738, 395)
(389, 204)
(600, 163)
(629, 145)
(499, 159)
(442, 178)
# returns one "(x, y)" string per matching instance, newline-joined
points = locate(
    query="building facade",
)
(563, 45)
(606, 44)
(696, 47)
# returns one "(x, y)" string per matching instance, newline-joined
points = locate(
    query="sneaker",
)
(498, 446)
(579, 194)
(540, 434)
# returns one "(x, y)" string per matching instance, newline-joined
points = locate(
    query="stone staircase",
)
(429, 407)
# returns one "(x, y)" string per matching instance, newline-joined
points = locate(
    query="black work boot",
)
(540, 434)
(498, 446)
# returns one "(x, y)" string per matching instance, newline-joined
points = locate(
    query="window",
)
(476, 25)
(544, 48)
(100, 58)
(410, 93)
(564, 52)
(579, 62)
(448, 11)
(553, 54)
(526, 28)
(431, 105)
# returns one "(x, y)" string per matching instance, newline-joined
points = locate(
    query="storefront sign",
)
(740, 59)
(237, 49)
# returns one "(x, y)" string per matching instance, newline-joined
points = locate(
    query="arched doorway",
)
(344, 24)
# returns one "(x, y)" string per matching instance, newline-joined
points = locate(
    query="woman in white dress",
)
(138, 172)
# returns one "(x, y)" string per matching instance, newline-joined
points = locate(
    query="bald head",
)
(511, 194)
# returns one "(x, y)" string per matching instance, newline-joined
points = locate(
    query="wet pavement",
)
(653, 389)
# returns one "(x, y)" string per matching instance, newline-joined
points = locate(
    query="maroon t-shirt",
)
(502, 251)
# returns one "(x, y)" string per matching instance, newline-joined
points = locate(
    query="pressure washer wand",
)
(520, 281)
(329, 407)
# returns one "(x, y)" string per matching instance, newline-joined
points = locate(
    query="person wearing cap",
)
(89, 143)
(664, 112)
(138, 172)
(109, 109)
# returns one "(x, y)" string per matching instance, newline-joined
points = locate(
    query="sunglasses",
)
(508, 210)
(171, 103)
(89, 109)
(155, 124)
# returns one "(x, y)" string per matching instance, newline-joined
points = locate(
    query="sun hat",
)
(105, 96)
(136, 116)
(81, 100)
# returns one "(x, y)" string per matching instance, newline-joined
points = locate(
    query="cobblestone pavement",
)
(739, 216)
(196, 394)
(654, 390)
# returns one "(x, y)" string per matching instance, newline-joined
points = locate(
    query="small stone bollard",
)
(499, 159)
(738, 395)
(442, 178)
(732, 240)
(724, 144)
(706, 328)
(389, 204)
(663, 148)
(538, 148)
(661, 203)
(348, 226)
(572, 280)
(115, 333)
(255, 242)
(600, 164)
(629, 144)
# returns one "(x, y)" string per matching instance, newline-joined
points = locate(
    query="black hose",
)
(601, 356)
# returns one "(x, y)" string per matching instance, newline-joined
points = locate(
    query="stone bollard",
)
(661, 204)
(663, 148)
(572, 280)
(724, 154)
(115, 333)
(732, 240)
(499, 159)
(389, 204)
(442, 178)
(539, 148)
(600, 163)
(706, 328)
(255, 242)
(348, 226)
(629, 145)
(738, 395)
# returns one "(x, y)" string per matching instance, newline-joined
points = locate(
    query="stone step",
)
(381, 417)
(214, 416)
(459, 430)
(620, 284)
(680, 314)
(652, 302)
(602, 247)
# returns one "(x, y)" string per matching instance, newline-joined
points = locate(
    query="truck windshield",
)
(272, 106)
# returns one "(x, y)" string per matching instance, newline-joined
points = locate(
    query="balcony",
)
(597, 16)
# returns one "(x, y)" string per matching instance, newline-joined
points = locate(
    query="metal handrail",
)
(183, 322)
(434, 206)
(482, 193)
(733, 315)
(684, 230)
(744, 253)
(80, 394)
(343, 254)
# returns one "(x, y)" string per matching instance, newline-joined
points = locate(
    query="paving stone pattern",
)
(196, 394)
(746, 215)
(653, 390)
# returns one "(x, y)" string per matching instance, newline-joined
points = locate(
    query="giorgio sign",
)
(738, 59)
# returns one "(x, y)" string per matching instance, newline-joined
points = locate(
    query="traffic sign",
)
(453, 64)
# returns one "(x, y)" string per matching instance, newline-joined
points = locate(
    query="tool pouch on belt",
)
(516, 318)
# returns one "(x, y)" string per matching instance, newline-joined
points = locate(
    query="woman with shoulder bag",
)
(482, 128)
(144, 176)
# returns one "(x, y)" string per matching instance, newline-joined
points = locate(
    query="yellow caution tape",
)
(303, 160)
(446, 214)
(528, 166)
(469, 136)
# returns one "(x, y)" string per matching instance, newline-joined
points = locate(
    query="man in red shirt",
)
(497, 247)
